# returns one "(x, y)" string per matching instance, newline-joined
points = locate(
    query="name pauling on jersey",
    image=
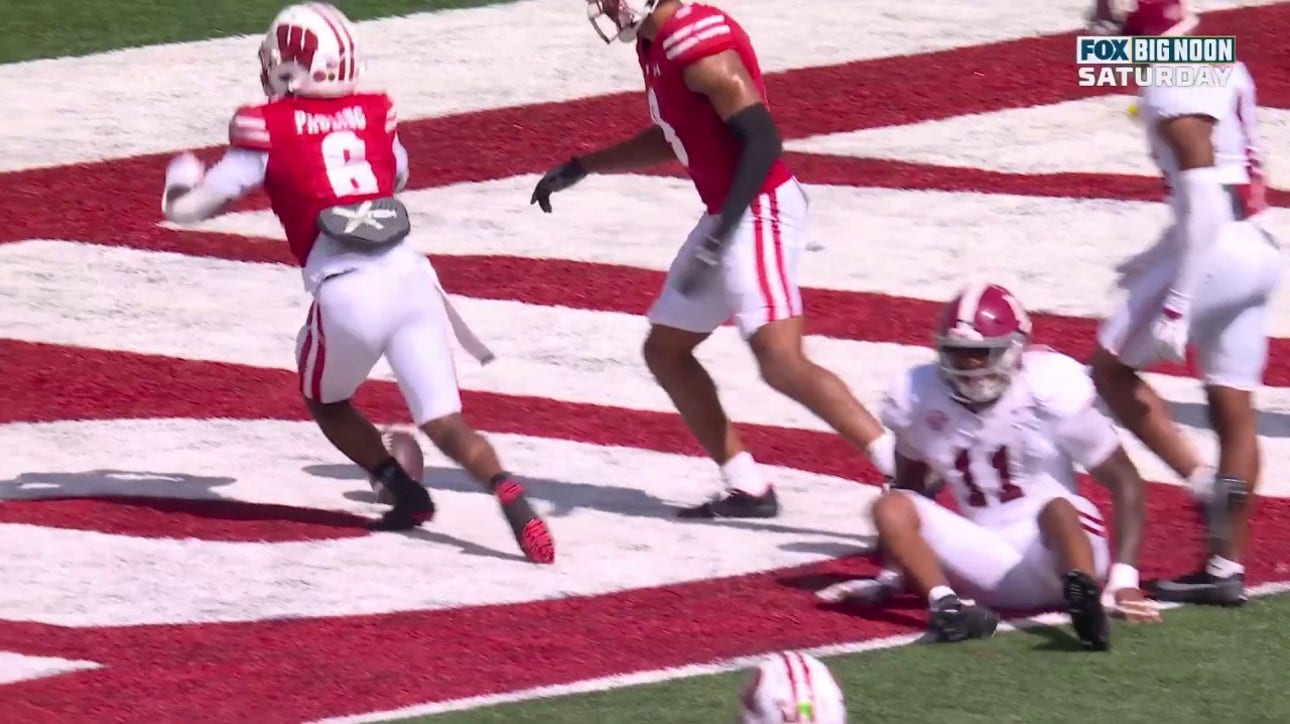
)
(347, 119)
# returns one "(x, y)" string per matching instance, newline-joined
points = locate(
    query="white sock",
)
(938, 593)
(882, 452)
(1221, 567)
(741, 473)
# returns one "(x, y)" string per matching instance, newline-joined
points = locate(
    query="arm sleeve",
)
(898, 410)
(239, 172)
(1205, 203)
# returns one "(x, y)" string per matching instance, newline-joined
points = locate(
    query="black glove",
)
(557, 179)
(702, 265)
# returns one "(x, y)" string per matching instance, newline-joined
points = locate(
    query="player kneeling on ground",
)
(1003, 425)
(330, 160)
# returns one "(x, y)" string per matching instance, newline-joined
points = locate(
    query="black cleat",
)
(1201, 587)
(735, 504)
(412, 503)
(953, 620)
(1088, 617)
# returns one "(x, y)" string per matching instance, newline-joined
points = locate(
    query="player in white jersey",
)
(1003, 426)
(1206, 283)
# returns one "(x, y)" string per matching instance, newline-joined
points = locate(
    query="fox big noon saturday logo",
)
(1162, 60)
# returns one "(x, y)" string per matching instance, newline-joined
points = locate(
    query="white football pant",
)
(759, 270)
(1009, 566)
(1229, 316)
(395, 310)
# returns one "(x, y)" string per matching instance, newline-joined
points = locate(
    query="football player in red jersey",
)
(330, 160)
(1206, 284)
(708, 106)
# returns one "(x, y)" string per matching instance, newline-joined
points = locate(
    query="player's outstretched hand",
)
(1131, 605)
(557, 179)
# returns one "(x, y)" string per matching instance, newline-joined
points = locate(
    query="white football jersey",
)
(1006, 459)
(1236, 150)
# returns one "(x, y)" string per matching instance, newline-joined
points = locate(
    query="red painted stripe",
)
(527, 139)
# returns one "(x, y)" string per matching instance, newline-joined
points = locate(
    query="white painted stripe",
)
(720, 667)
(1094, 135)
(608, 508)
(692, 28)
(67, 293)
(171, 112)
(15, 667)
(709, 34)
(880, 240)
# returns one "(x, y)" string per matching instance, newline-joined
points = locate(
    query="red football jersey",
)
(699, 138)
(322, 152)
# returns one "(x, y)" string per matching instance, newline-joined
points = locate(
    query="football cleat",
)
(953, 620)
(411, 509)
(735, 503)
(529, 529)
(861, 591)
(1088, 617)
(1201, 587)
(412, 503)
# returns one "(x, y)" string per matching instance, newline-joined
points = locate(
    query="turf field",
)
(183, 546)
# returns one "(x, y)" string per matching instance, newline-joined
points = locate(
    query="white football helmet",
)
(626, 17)
(792, 687)
(309, 51)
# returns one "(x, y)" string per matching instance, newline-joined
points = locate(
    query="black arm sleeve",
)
(756, 130)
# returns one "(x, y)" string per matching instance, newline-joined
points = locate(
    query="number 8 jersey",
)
(321, 152)
(1005, 461)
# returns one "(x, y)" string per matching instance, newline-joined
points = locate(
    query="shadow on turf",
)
(566, 497)
(173, 493)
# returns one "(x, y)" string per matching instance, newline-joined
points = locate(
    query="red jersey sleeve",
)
(699, 35)
(248, 129)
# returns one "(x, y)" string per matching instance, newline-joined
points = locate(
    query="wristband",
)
(1122, 575)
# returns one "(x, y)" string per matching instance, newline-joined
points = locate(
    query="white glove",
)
(1172, 327)
(1122, 597)
(185, 170)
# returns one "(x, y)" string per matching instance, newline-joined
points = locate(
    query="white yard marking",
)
(908, 243)
(201, 308)
(435, 64)
(16, 667)
(608, 508)
(1094, 135)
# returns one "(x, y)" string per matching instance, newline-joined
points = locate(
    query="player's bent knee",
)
(894, 510)
(447, 430)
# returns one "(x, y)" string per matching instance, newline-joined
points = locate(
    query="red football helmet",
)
(979, 342)
(1142, 17)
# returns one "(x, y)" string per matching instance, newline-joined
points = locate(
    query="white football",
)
(402, 444)
(792, 687)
